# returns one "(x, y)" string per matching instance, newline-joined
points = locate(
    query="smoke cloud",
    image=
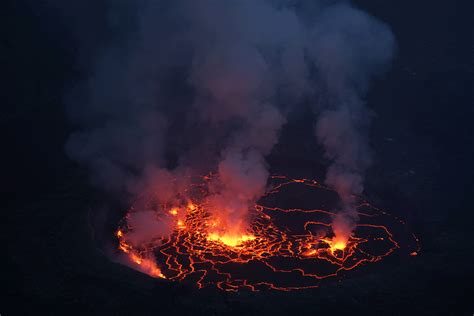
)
(185, 87)
(349, 48)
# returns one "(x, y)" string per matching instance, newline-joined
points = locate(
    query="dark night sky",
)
(422, 137)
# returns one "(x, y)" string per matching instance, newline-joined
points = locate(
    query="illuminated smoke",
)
(349, 47)
(186, 87)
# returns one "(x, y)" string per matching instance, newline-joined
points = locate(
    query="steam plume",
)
(187, 86)
(349, 47)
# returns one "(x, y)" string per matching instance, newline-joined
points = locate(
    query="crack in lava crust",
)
(285, 249)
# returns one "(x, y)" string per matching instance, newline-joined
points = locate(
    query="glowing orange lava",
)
(230, 240)
(285, 248)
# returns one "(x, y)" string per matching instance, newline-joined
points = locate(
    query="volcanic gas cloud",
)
(184, 88)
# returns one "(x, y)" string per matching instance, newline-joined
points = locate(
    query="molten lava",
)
(335, 245)
(230, 240)
(284, 248)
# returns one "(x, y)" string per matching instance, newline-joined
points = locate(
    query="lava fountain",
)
(289, 245)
